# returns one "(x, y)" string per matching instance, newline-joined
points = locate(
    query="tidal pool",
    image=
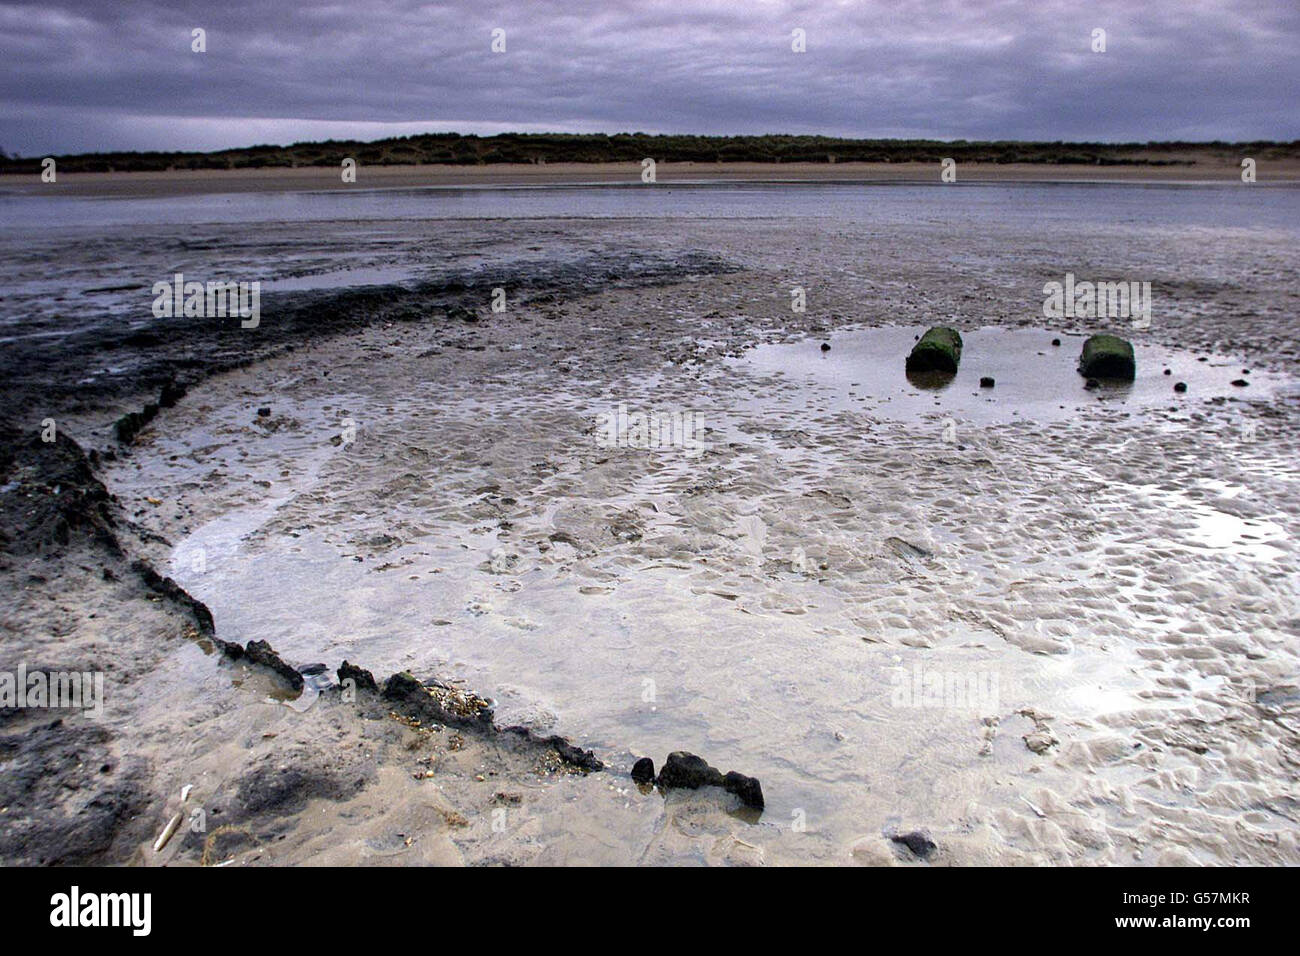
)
(1033, 379)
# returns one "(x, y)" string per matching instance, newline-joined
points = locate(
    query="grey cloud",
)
(97, 74)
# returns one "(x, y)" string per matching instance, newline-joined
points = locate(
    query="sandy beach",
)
(388, 472)
(1193, 168)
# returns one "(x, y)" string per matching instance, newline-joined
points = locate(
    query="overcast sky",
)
(83, 75)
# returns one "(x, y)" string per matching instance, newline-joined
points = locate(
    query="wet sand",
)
(1125, 567)
(1194, 168)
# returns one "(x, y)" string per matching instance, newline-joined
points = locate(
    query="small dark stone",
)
(1180, 386)
(747, 788)
(582, 759)
(172, 392)
(574, 756)
(362, 678)
(916, 841)
(986, 381)
(261, 652)
(643, 771)
(439, 702)
(1240, 382)
(264, 412)
(130, 424)
(403, 685)
(174, 592)
(688, 771)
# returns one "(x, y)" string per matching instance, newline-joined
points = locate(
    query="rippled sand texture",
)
(1119, 586)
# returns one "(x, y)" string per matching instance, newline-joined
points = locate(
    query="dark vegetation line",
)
(453, 149)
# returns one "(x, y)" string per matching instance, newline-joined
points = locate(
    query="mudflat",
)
(640, 509)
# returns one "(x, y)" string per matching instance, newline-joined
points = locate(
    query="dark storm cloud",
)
(102, 75)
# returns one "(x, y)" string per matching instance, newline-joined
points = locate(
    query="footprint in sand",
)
(1036, 643)
(990, 734)
(1041, 739)
(500, 561)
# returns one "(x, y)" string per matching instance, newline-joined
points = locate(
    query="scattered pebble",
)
(643, 771)
(916, 841)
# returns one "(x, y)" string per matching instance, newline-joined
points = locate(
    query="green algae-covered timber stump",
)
(939, 350)
(1107, 356)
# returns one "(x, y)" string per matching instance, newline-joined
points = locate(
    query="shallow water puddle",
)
(1255, 539)
(341, 279)
(863, 371)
